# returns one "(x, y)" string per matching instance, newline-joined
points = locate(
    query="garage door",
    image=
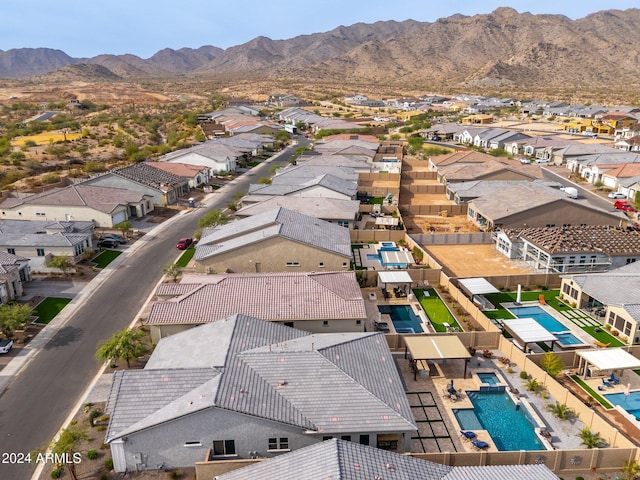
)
(119, 217)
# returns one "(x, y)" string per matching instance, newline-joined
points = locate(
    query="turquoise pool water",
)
(403, 318)
(630, 403)
(510, 427)
(548, 322)
(490, 378)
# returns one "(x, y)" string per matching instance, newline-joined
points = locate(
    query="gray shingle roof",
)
(316, 382)
(149, 176)
(268, 296)
(324, 208)
(331, 182)
(277, 222)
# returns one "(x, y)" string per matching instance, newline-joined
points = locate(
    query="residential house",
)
(320, 302)
(284, 100)
(571, 249)
(298, 174)
(629, 144)
(530, 205)
(213, 155)
(542, 147)
(611, 175)
(82, 202)
(630, 187)
(464, 192)
(196, 175)
(357, 163)
(14, 271)
(245, 388)
(338, 458)
(327, 186)
(613, 297)
(278, 240)
(573, 152)
(333, 210)
(479, 119)
(38, 240)
(164, 187)
(591, 167)
(506, 139)
(315, 122)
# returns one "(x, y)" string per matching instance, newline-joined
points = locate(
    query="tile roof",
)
(604, 239)
(331, 182)
(319, 207)
(321, 382)
(268, 296)
(295, 175)
(180, 169)
(58, 239)
(277, 222)
(103, 199)
(345, 460)
(147, 175)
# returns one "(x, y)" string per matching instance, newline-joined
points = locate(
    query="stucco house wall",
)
(61, 213)
(272, 255)
(115, 181)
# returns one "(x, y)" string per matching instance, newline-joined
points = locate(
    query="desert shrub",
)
(108, 464)
(92, 454)
(524, 375)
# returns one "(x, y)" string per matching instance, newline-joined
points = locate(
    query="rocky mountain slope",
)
(504, 48)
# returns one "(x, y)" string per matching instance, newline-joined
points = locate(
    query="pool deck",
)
(372, 248)
(371, 305)
(563, 432)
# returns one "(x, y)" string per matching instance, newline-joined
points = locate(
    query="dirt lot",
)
(417, 224)
(476, 260)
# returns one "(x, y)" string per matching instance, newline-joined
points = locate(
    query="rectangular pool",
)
(403, 318)
(548, 322)
(631, 402)
(510, 426)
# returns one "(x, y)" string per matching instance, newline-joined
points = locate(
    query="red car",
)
(184, 243)
(622, 205)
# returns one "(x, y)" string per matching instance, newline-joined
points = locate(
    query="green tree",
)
(630, 469)
(124, 227)
(551, 364)
(213, 218)
(13, 317)
(172, 270)
(560, 410)
(61, 263)
(58, 151)
(125, 344)
(67, 444)
(590, 439)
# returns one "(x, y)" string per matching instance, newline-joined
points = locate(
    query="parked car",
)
(112, 236)
(624, 206)
(525, 161)
(5, 346)
(108, 244)
(617, 195)
(184, 243)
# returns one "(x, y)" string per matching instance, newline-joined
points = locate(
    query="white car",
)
(617, 195)
(5, 346)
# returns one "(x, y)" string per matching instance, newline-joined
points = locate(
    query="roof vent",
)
(282, 383)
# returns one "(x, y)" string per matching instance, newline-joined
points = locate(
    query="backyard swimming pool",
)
(510, 426)
(403, 318)
(631, 402)
(548, 322)
(490, 378)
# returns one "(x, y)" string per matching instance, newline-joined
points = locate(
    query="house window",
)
(325, 323)
(192, 444)
(40, 252)
(631, 260)
(325, 438)
(293, 264)
(224, 447)
(364, 439)
(346, 438)
(345, 264)
(321, 265)
(12, 251)
(288, 324)
(281, 443)
(40, 214)
(358, 322)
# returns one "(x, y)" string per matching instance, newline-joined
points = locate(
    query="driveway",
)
(43, 287)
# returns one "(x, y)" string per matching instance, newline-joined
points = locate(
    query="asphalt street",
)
(39, 399)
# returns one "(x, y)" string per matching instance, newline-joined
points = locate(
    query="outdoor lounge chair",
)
(612, 378)
(479, 444)
(601, 344)
(605, 383)
(468, 435)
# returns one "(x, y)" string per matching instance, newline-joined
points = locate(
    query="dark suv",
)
(108, 243)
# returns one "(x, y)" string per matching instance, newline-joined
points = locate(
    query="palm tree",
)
(630, 469)
(590, 439)
(561, 410)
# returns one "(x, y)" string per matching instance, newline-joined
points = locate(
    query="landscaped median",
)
(186, 257)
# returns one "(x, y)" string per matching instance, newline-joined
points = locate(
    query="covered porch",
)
(422, 349)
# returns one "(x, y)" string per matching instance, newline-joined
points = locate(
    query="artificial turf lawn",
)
(591, 392)
(105, 258)
(186, 257)
(603, 336)
(48, 308)
(436, 310)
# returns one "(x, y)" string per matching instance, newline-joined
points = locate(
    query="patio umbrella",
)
(451, 389)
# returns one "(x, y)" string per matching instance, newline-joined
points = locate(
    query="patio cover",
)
(394, 277)
(402, 257)
(477, 286)
(527, 330)
(387, 221)
(608, 359)
(441, 347)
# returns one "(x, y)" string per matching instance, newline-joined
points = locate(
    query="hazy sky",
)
(85, 28)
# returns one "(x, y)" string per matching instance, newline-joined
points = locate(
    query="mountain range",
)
(503, 48)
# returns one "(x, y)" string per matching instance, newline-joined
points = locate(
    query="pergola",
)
(441, 347)
(476, 288)
(606, 359)
(527, 330)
